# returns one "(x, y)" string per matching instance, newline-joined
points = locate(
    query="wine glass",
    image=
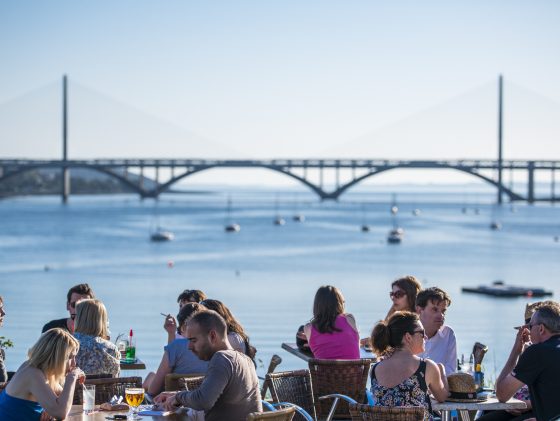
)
(134, 397)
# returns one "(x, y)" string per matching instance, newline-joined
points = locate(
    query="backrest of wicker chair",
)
(294, 387)
(190, 382)
(105, 389)
(279, 415)
(360, 412)
(173, 380)
(347, 377)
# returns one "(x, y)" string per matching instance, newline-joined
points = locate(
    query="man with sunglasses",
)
(75, 294)
(539, 365)
(441, 345)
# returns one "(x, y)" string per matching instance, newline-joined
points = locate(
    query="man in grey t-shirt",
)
(230, 390)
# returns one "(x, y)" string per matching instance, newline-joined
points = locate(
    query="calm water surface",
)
(268, 274)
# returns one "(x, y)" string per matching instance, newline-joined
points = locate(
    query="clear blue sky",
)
(288, 78)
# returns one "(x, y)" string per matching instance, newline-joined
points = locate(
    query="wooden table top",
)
(490, 404)
(292, 348)
(137, 365)
(76, 414)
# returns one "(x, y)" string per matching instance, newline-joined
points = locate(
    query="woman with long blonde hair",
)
(97, 354)
(45, 382)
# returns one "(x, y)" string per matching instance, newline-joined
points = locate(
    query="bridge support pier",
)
(65, 185)
(531, 183)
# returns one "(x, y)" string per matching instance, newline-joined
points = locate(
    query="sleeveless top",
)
(410, 392)
(182, 360)
(338, 345)
(17, 409)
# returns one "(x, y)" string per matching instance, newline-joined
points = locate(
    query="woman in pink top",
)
(332, 334)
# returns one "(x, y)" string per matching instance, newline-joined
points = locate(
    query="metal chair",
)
(360, 412)
(172, 380)
(342, 377)
(106, 388)
(294, 387)
(286, 414)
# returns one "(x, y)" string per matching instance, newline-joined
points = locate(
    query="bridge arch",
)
(336, 194)
(317, 190)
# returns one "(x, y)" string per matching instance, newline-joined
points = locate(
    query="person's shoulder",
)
(447, 330)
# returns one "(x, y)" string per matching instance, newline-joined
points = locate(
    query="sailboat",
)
(298, 217)
(159, 234)
(365, 226)
(230, 226)
(396, 234)
(278, 220)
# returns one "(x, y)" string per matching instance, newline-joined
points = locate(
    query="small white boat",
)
(395, 236)
(279, 221)
(298, 217)
(416, 212)
(232, 228)
(496, 226)
(161, 235)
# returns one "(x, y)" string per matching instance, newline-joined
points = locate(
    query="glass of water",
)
(89, 398)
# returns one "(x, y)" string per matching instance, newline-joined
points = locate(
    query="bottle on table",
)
(131, 348)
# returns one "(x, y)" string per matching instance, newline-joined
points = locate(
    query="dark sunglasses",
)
(421, 331)
(397, 294)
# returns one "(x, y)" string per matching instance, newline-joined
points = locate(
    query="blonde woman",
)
(36, 387)
(97, 354)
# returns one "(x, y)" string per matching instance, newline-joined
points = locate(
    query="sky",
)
(281, 79)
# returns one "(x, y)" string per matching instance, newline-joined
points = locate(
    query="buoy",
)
(170, 264)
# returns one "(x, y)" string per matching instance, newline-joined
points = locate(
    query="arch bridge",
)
(130, 172)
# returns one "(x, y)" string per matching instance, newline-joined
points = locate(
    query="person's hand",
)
(77, 374)
(522, 338)
(45, 417)
(170, 325)
(163, 397)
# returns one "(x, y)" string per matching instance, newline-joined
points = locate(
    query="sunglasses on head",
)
(397, 294)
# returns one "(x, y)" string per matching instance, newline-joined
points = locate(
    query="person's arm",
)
(507, 384)
(390, 312)
(158, 381)
(351, 321)
(451, 359)
(307, 331)
(205, 396)
(437, 381)
(170, 326)
(56, 406)
(3, 373)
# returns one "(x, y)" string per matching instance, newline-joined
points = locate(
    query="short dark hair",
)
(82, 289)
(435, 294)
(210, 320)
(187, 311)
(194, 295)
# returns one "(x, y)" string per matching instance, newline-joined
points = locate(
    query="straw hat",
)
(462, 388)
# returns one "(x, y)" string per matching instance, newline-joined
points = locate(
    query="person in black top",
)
(75, 294)
(539, 366)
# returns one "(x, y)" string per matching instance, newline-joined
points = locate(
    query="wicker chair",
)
(190, 382)
(361, 412)
(173, 380)
(346, 377)
(278, 415)
(294, 387)
(105, 389)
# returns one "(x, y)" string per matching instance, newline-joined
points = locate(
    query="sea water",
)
(268, 274)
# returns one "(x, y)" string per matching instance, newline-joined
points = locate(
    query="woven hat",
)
(462, 388)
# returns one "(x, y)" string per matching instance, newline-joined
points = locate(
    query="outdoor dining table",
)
(463, 408)
(137, 364)
(76, 414)
(292, 348)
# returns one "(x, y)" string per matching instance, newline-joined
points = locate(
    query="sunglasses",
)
(421, 331)
(397, 294)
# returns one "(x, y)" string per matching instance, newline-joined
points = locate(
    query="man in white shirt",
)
(441, 345)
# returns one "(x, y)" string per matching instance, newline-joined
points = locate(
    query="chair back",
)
(278, 415)
(191, 382)
(294, 387)
(172, 380)
(346, 377)
(106, 388)
(360, 412)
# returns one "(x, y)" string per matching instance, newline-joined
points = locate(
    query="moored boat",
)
(500, 289)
